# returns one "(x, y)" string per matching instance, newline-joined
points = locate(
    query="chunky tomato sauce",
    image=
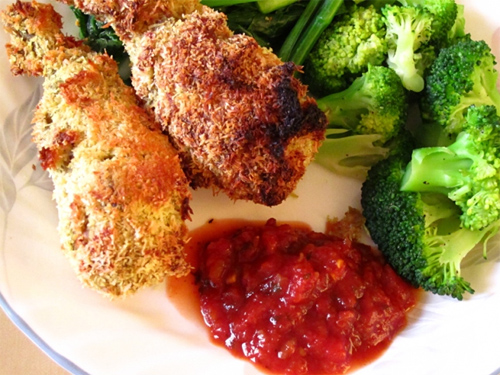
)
(299, 302)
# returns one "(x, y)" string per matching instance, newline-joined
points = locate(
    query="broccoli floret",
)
(444, 15)
(418, 233)
(408, 28)
(375, 103)
(350, 155)
(363, 119)
(354, 40)
(426, 56)
(416, 31)
(467, 171)
(462, 75)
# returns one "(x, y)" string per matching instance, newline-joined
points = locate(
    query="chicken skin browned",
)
(240, 119)
(121, 194)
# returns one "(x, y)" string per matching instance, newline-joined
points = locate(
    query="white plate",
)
(145, 334)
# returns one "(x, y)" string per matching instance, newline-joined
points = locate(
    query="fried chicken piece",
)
(240, 119)
(121, 194)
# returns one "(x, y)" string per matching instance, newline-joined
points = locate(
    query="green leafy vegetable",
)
(103, 39)
(268, 29)
(98, 37)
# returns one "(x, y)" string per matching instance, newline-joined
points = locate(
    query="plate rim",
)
(58, 358)
(26, 329)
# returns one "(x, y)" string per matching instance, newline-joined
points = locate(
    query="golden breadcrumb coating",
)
(121, 194)
(240, 119)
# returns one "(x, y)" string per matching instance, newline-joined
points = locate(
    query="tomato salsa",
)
(294, 301)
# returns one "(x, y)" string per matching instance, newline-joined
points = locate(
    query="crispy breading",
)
(240, 119)
(121, 194)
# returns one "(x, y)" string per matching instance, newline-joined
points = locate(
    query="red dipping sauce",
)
(294, 301)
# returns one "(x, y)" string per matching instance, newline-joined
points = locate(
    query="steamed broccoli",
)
(416, 30)
(362, 120)
(458, 28)
(419, 234)
(462, 75)
(350, 154)
(467, 171)
(344, 50)
(269, 30)
(444, 16)
(375, 103)
(408, 28)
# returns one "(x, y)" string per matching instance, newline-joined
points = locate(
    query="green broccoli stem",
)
(350, 155)
(343, 108)
(288, 45)
(404, 66)
(408, 28)
(438, 169)
(318, 24)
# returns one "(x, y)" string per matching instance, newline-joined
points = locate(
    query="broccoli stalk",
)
(408, 28)
(467, 171)
(375, 103)
(350, 155)
(416, 31)
(419, 234)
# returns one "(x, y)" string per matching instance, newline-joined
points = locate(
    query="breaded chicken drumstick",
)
(121, 194)
(239, 118)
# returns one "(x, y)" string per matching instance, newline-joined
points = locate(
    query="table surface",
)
(20, 356)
